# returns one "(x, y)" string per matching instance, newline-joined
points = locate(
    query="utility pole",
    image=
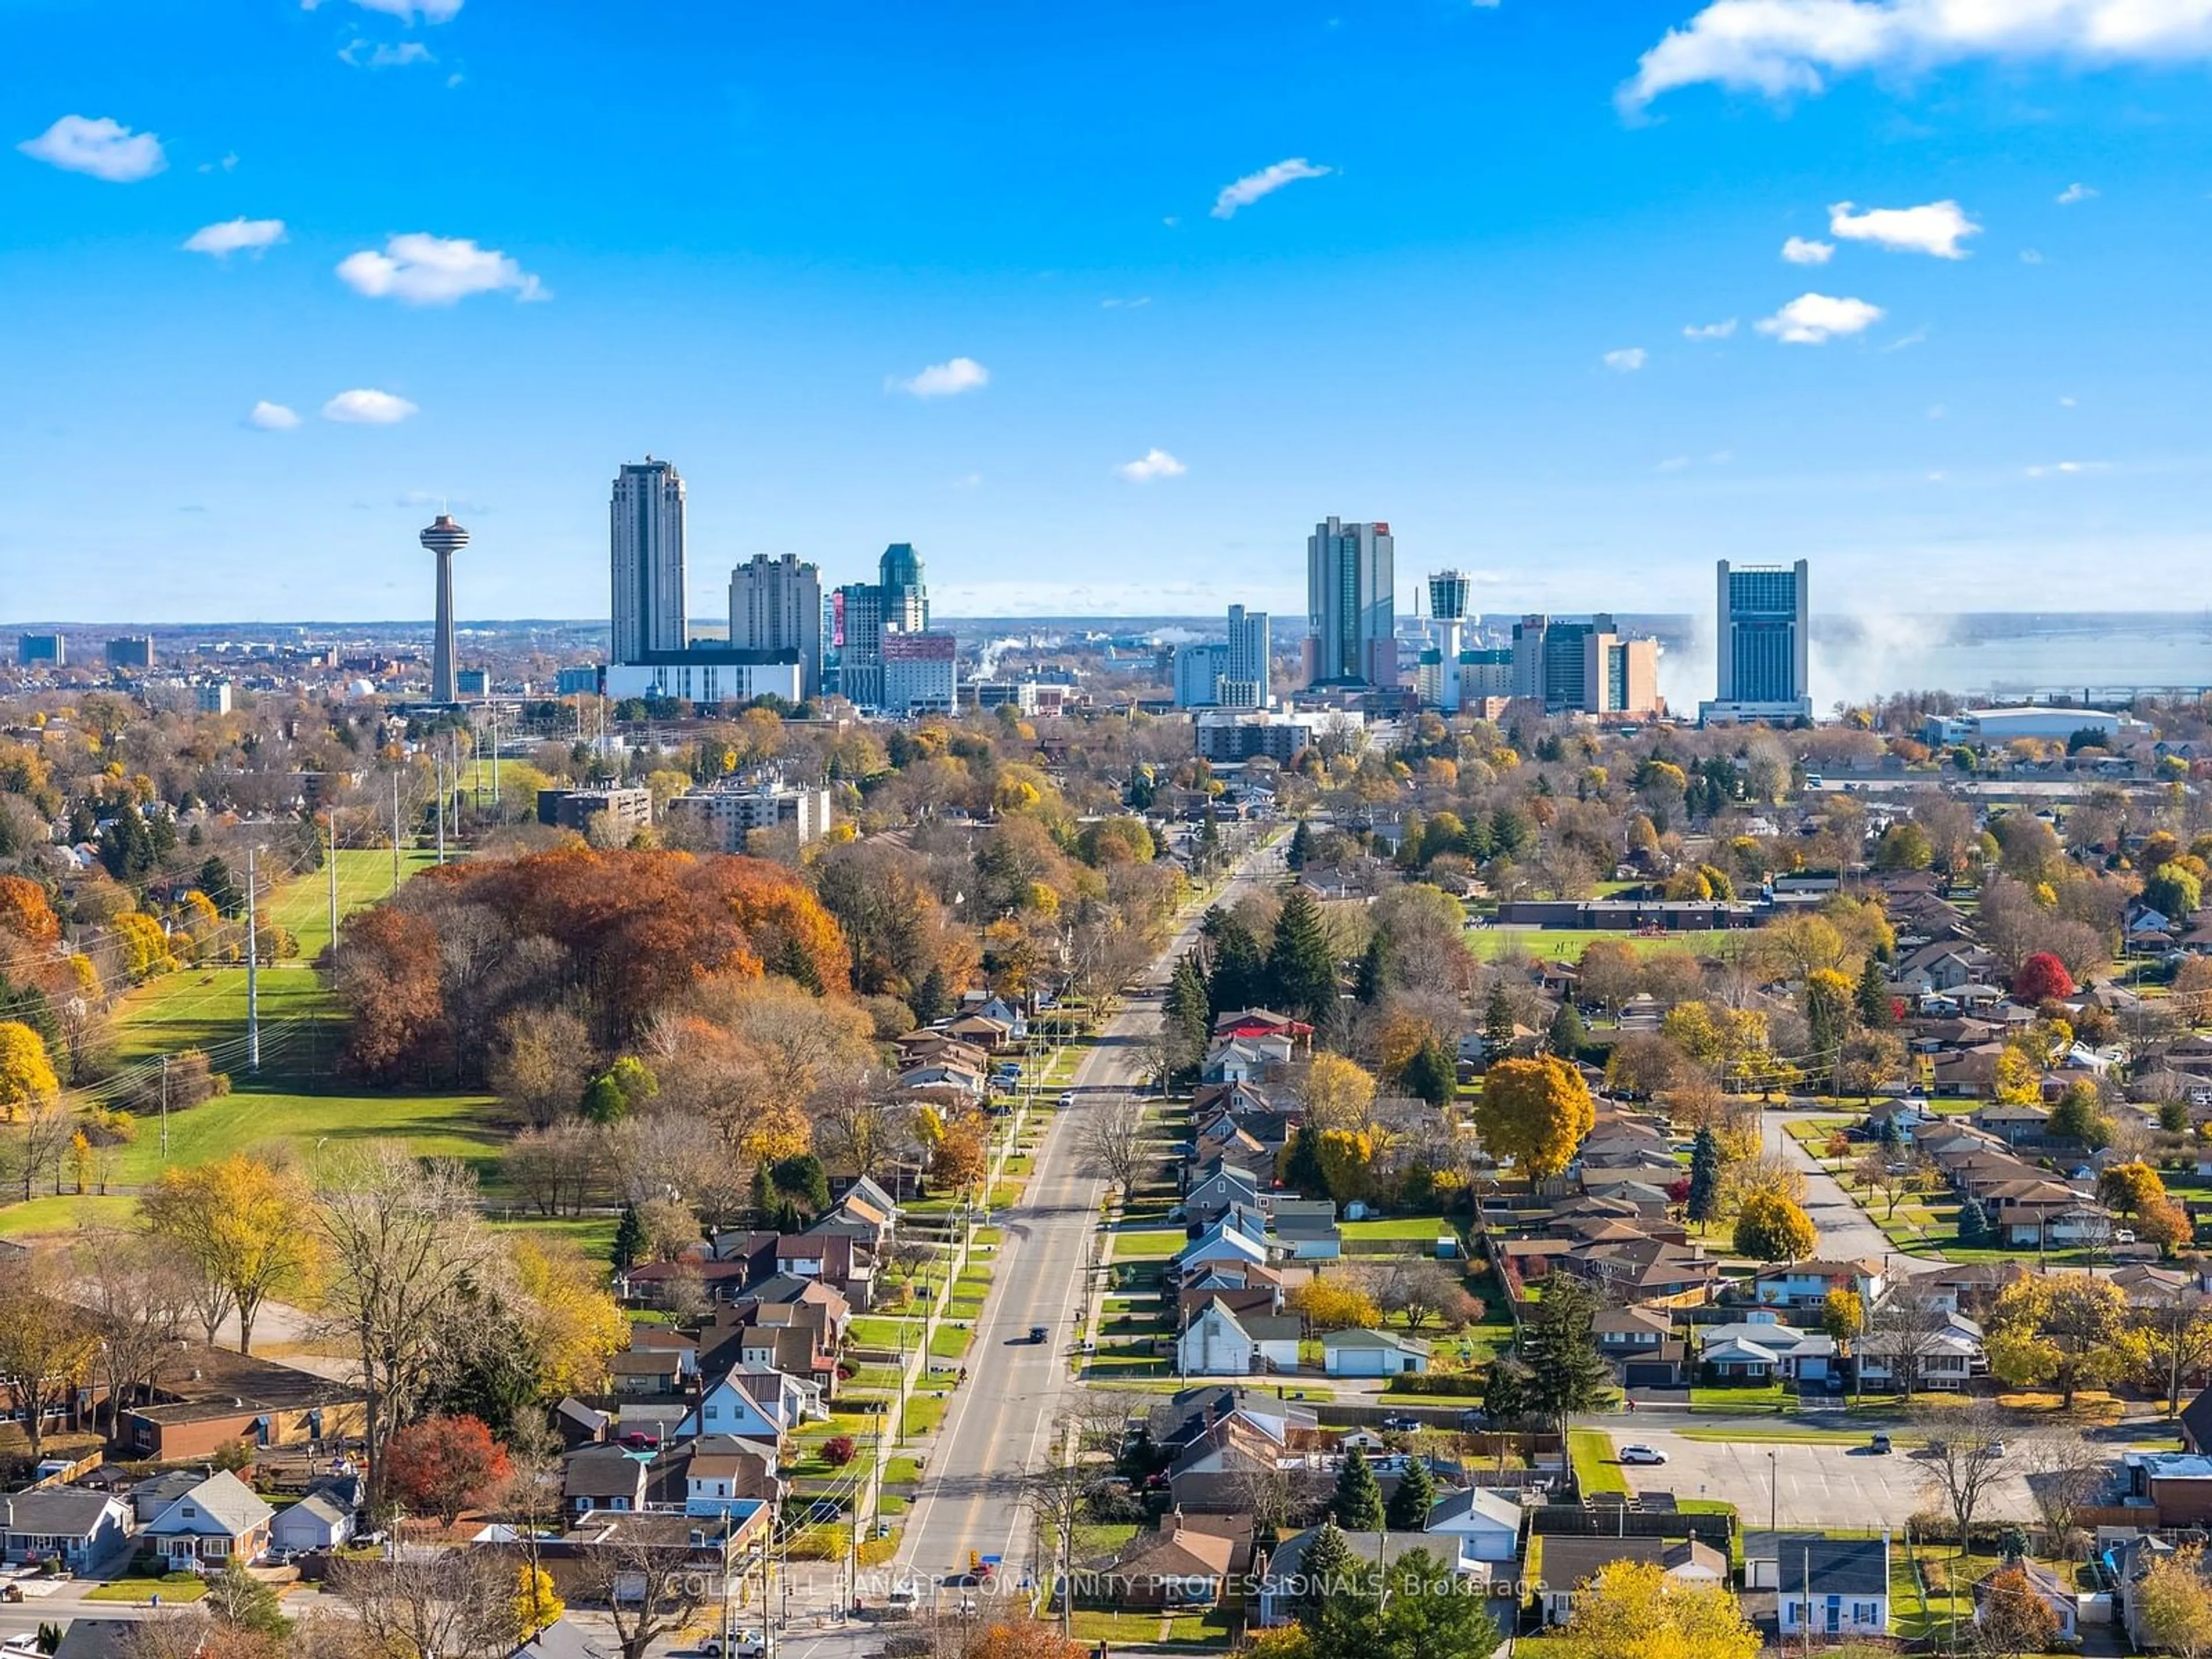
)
(333, 861)
(495, 759)
(165, 1109)
(395, 832)
(252, 975)
(438, 776)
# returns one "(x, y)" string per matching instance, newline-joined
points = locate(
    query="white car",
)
(745, 1644)
(1642, 1455)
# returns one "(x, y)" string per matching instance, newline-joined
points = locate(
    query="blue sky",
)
(745, 236)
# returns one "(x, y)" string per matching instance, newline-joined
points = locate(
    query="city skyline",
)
(1903, 314)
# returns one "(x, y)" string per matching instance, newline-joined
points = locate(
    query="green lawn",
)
(1767, 1397)
(1595, 1466)
(1147, 1245)
(923, 1412)
(594, 1235)
(172, 1587)
(951, 1341)
(302, 907)
(1421, 1229)
(1488, 944)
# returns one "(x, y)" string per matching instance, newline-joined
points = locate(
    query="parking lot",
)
(1833, 1486)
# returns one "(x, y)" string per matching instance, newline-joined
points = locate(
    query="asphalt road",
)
(1000, 1424)
(1847, 1232)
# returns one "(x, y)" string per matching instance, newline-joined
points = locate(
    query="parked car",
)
(1880, 1445)
(1400, 1424)
(1640, 1453)
(1995, 1449)
(746, 1644)
(2124, 1236)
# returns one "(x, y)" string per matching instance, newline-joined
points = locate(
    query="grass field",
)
(1420, 1228)
(1488, 944)
(1596, 1468)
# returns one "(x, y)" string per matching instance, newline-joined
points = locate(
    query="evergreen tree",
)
(1497, 1021)
(1973, 1224)
(1189, 1013)
(1505, 1394)
(1326, 1566)
(1301, 846)
(1891, 1137)
(1239, 979)
(1371, 980)
(1872, 997)
(802, 1180)
(1207, 857)
(1301, 977)
(1705, 1175)
(1416, 1495)
(931, 1001)
(630, 1239)
(793, 963)
(1357, 1505)
(1568, 1033)
(214, 880)
(1431, 1074)
(1302, 1170)
(1567, 1373)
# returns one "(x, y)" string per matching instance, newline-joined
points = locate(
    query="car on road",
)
(1641, 1454)
(1400, 1424)
(1995, 1449)
(2126, 1236)
(903, 1601)
(1880, 1445)
(1037, 1334)
(745, 1644)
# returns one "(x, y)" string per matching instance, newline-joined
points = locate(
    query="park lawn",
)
(1488, 944)
(1423, 1229)
(301, 907)
(1596, 1467)
(49, 1215)
(1147, 1245)
(204, 1007)
(434, 1125)
(594, 1235)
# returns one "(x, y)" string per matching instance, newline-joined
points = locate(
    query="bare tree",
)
(858, 1122)
(649, 1588)
(1059, 1499)
(138, 1294)
(2065, 1474)
(406, 1247)
(440, 1604)
(46, 1343)
(2176, 1327)
(1423, 1291)
(1957, 1465)
(1114, 1143)
(1906, 1331)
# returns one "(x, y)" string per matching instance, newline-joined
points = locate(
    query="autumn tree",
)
(245, 1229)
(2042, 978)
(47, 1344)
(27, 1076)
(1633, 1610)
(2011, 1617)
(1336, 1093)
(1536, 1112)
(442, 1465)
(2174, 1603)
(1772, 1227)
(1336, 1302)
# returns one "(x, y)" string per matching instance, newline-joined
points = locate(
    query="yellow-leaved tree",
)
(1633, 1610)
(27, 1076)
(1535, 1112)
(244, 1230)
(575, 1325)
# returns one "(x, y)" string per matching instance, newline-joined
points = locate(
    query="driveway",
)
(1839, 1486)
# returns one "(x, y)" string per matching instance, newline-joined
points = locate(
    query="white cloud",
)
(430, 11)
(236, 236)
(1778, 47)
(106, 149)
(361, 55)
(1721, 331)
(1252, 185)
(2075, 193)
(947, 380)
(1126, 305)
(364, 406)
(2066, 402)
(1800, 251)
(1936, 228)
(2065, 469)
(1672, 464)
(1816, 318)
(272, 418)
(2029, 256)
(228, 164)
(969, 481)
(424, 270)
(1152, 463)
(1937, 411)
(1627, 359)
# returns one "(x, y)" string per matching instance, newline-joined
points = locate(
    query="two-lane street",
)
(1000, 1424)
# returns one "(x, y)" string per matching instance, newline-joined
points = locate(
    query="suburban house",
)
(1806, 1284)
(750, 1405)
(1946, 1358)
(81, 1528)
(219, 1519)
(1187, 1561)
(1304, 1230)
(1284, 1581)
(1566, 1564)
(604, 1477)
(1763, 1349)
(317, 1521)
(1823, 1586)
(1218, 1187)
(1218, 1342)
(1223, 1241)
(1372, 1353)
(1641, 1346)
(1487, 1523)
